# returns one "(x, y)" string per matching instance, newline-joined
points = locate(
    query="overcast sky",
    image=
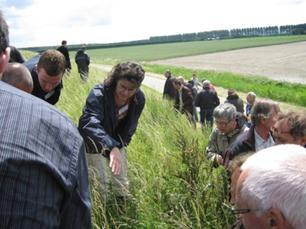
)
(47, 22)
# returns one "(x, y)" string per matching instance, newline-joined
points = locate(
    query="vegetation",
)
(172, 183)
(278, 91)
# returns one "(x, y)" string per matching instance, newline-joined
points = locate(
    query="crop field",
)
(171, 50)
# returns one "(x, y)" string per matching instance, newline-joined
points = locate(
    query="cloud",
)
(42, 22)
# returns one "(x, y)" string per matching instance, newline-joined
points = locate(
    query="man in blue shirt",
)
(43, 171)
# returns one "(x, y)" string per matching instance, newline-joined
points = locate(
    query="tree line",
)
(200, 36)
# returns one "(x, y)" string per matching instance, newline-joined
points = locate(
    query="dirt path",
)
(286, 62)
(157, 81)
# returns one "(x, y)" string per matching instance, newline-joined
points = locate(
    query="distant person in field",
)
(207, 100)
(82, 60)
(233, 98)
(16, 56)
(184, 98)
(290, 128)
(18, 75)
(109, 120)
(169, 90)
(44, 179)
(64, 50)
(250, 99)
(194, 81)
(47, 71)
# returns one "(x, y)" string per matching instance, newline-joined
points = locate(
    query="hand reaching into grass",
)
(115, 161)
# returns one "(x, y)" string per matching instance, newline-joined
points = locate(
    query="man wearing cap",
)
(207, 100)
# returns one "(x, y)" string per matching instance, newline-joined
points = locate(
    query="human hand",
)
(115, 161)
(218, 159)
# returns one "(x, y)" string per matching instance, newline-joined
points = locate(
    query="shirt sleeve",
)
(91, 124)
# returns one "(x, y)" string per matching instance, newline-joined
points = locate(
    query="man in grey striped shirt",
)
(43, 171)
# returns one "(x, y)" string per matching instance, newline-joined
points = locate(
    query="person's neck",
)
(119, 102)
(262, 132)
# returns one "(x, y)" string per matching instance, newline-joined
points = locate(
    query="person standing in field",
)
(207, 100)
(234, 99)
(82, 60)
(109, 120)
(184, 98)
(64, 50)
(169, 90)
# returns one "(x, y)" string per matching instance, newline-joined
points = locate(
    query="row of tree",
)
(234, 33)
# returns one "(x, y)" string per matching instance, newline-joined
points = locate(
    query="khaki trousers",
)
(119, 184)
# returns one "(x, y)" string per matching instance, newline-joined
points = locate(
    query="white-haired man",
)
(271, 189)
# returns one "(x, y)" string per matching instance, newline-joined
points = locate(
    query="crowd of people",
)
(238, 133)
(43, 165)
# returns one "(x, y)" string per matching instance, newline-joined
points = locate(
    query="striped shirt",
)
(43, 171)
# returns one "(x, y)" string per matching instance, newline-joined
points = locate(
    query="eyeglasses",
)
(240, 211)
(220, 123)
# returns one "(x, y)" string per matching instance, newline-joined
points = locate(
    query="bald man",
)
(19, 76)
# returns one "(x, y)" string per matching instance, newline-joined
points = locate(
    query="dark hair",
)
(130, 71)
(4, 34)
(296, 122)
(53, 62)
(64, 42)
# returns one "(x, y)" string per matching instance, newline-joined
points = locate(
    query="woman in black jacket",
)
(110, 119)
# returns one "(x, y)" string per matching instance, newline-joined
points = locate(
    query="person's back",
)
(64, 50)
(82, 60)
(234, 99)
(44, 181)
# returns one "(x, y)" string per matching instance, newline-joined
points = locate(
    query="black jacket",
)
(236, 101)
(82, 60)
(169, 90)
(243, 144)
(64, 50)
(15, 56)
(99, 124)
(207, 99)
(51, 97)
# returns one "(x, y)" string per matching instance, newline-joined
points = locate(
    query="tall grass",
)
(279, 91)
(172, 183)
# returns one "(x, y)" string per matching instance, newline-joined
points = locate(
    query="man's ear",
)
(276, 219)
(4, 59)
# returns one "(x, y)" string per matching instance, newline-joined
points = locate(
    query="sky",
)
(48, 22)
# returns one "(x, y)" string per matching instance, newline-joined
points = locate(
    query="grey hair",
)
(276, 178)
(251, 93)
(263, 109)
(225, 111)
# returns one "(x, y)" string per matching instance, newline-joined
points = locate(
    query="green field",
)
(172, 183)
(169, 50)
(279, 91)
